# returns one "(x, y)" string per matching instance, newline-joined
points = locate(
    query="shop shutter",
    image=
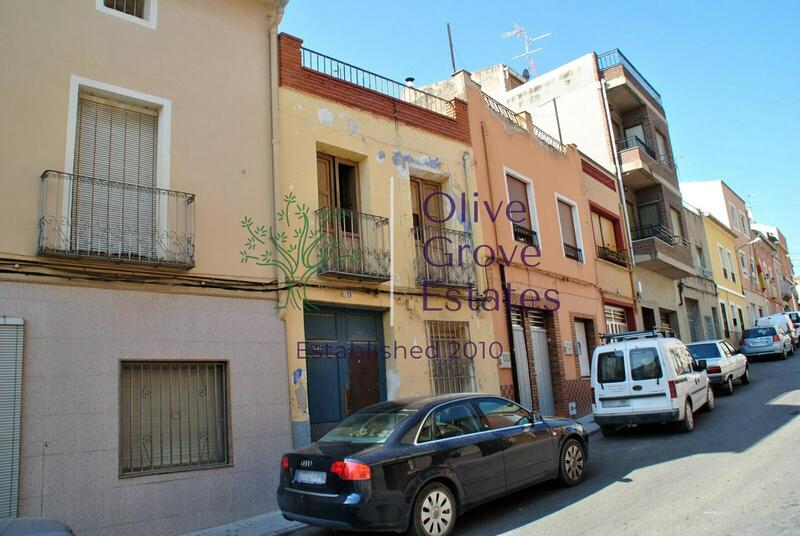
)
(11, 331)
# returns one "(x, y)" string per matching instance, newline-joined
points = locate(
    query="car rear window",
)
(707, 350)
(795, 317)
(753, 333)
(645, 364)
(611, 367)
(367, 427)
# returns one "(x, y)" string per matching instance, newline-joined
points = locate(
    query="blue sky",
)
(728, 71)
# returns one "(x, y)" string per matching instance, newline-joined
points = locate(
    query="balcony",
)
(642, 166)
(612, 255)
(520, 121)
(85, 217)
(627, 87)
(706, 273)
(657, 249)
(572, 252)
(525, 235)
(437, 256)
(353, 245)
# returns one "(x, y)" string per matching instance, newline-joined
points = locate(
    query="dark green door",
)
(345, 372)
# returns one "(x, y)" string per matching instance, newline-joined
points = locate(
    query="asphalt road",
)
(737, 473)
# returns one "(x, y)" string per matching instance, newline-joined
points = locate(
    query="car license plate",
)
(309, 477)
(621, 403)
(762, 342)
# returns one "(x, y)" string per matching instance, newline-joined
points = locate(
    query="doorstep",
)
(271, 524)
(588, 422)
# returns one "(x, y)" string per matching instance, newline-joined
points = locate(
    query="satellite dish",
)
(526, 74)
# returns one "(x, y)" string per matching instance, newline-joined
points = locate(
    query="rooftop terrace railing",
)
(519, 120)
(615, 57)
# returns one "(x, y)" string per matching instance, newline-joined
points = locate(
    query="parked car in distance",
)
(419, 463)
(722, 362)
(785, 321)
(766, 341)
(33, 526)
(794, 316)
(644, 377)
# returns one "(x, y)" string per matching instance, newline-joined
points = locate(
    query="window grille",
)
(616, 319)
(451, 370)
(174, 416)
(134, 8)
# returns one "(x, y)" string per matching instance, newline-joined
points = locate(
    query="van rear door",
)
(649, 387)
(612, 387)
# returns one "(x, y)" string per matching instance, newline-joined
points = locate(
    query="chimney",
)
(409, 81)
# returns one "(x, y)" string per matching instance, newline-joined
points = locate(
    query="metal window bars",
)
(134, 8)
(573, 252)
(100, 219)
(615, 57)
(444, 256)
(173, 416)
(353, 244)
(525, 235)
(334, 68)
(452, 371)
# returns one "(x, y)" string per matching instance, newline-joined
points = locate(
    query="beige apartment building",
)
(605, 106)
(146, 363)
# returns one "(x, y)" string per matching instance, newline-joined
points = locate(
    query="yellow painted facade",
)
(727, 276)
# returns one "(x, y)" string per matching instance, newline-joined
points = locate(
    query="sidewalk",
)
(271, 524)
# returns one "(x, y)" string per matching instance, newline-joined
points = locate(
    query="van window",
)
(706, 350)
(645, 364)
(610, 367)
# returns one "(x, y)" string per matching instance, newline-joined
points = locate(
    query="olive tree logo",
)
(298, 259)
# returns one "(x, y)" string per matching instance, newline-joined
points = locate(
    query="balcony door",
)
(338, 196)
(636, 130)
(427, 217)
(649, 215)
(114, 207)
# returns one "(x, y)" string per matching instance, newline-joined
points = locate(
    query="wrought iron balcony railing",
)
(332, 67)
(660, 232)
(612, 255)
(525, 235)
(615, 57)
(632, 142)
(353, 245)
(573, 252)
(100, 219)
(438, 252)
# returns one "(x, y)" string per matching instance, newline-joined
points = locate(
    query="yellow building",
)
(378, 166)
(727, 278)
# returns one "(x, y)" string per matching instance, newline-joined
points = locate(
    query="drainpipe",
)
(621, 188)
(274, 133)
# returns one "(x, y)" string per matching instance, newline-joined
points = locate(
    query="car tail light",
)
(285, 462)
(714, 370)
(673, 393)
(775, 338)
(350, 470)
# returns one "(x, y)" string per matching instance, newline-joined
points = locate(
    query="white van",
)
(647, 377)
(783, 320)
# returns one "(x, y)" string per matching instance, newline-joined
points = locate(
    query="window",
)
(677, 224)
(743, 263)
(754, 333)
(138, 11)
(567, 217)
(734, 217)
(173, 416)
(605, 231)
(701, 256)
(611, 367)
(741, 317)
(732, 266)
(498, 413)
(524, 230)
(645, 364)
(455, 420)
(733, 317)
(616, 319)
(451, 371)
(337, 186)
(661, 143)
(725, 325)
(745, 227)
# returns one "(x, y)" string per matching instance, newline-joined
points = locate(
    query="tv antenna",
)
(519, 31)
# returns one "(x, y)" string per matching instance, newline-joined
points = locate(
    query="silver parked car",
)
(766, 340)
(722, 362)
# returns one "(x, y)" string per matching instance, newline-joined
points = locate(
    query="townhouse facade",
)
(602, 103)
(146, 362)
(699, 293)
(719, 199)
(782, 264)
(728, 278)
(393, 309)
(766, 256)
(555, 306)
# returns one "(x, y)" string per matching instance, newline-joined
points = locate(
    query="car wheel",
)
(434, 511)
(608, 431)
(746, 376)
(727, 387)
(711, 404)
(571, 463)
(687, 424)
(784, 355)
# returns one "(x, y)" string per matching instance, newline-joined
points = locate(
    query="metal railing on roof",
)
(518, 120)
(351, 74)
(615, 57)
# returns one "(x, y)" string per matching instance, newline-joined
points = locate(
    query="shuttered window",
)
(567, 224)
(174, 416)
(518, 191)
(604, 231)
(11, 338)
(616, 319)
(115, 142)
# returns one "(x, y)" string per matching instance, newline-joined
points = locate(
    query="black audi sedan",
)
(417, 464)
